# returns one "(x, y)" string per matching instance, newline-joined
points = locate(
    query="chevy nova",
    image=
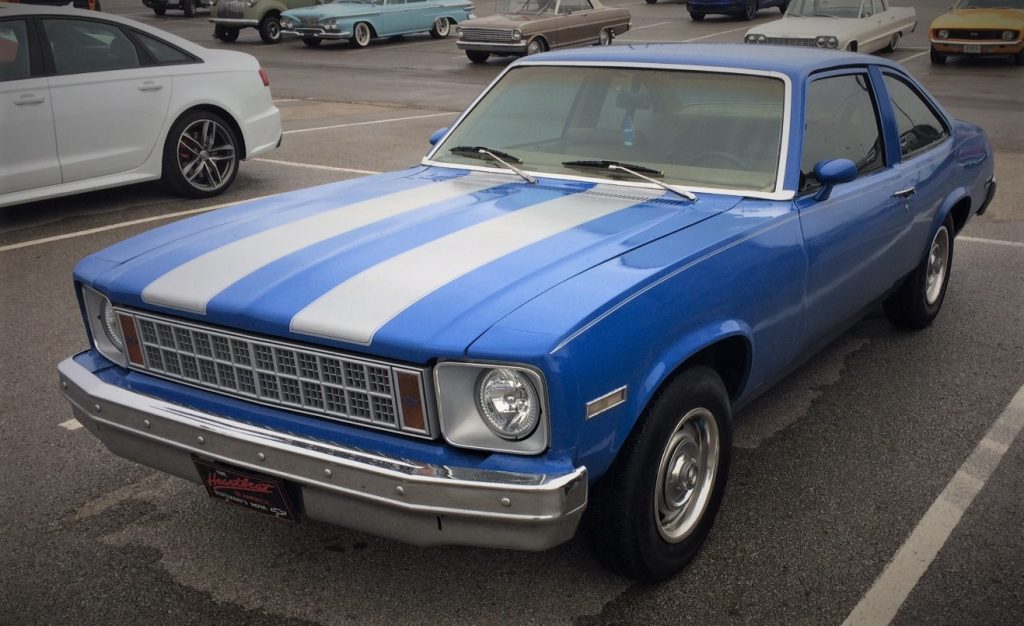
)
(553, 318)
(855, 25)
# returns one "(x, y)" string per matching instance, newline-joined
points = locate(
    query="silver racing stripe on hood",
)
(357, 308)
(191, 285)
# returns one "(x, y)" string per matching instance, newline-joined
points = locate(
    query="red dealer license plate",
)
(256, 492)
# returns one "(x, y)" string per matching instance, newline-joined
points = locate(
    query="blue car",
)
(551, 321)
(360, 21)
(745, 9)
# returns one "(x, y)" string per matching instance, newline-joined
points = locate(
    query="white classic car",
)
(856, 25)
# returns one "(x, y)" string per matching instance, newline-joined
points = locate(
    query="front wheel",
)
(201, 155)
(750, 10)
(536, 47)
(894, 43)
(937, 58)
(653, 510)
(652, 1)
(916, 303)
(783, 7)
(361, 35)
(270, 29)
(225, 34)
(696, 17)
(477, 56)
(441, 28)
(1018, 59)
(159, 10)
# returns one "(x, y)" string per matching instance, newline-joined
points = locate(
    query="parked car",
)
(554, 317)
(188, 7)
(979, 28)
(533, 26)
(744, 9)
(359, 21)
(230, 16)
(855, 25)
(88, 5)
(115, 102)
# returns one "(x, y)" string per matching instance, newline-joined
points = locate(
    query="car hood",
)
(341, 9)
(412, 265)
(997, 19)
(508, 21)
(804, 27)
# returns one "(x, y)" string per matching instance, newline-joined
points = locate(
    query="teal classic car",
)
(359, 21)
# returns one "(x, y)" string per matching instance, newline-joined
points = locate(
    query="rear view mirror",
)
(436, 137)
(832, 172)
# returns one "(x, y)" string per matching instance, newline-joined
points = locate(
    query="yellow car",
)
(979, 28)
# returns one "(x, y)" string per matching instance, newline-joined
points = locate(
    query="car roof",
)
(796, 62)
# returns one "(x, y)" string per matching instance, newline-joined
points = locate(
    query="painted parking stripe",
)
(314, 166)
(357, 308)
(883, 601)
(71, 424)
(367, 123)
(993, 242)
(190, 286)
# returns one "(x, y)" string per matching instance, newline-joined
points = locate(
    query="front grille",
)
(326, 384)
(790, 41)
(231, 9)
(309, 20)
(487, 34)
(976, 34)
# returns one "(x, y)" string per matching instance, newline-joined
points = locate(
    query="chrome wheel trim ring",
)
(362, 34)
(206, 155)
(938, 264)
(442, 26)
(534, 47)
(686, 475)
(604, 38)
(274, 29)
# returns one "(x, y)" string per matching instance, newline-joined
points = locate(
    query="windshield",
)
(695, 129)
(824, 8)
(990, 4)
(528, 7)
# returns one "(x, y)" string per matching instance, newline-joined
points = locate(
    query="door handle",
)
(150, 86)
(905, 193)
(29, 98)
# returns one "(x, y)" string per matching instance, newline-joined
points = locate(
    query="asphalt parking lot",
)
(868, 453)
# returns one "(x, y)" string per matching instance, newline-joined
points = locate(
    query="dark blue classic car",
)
(553, 318)
(745, 9)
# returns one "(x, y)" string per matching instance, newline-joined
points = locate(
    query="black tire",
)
(750, 10)
(187, 163)
(783, 7)
(312, 42)
(1018, 59)
(918, 300)
(361, 35)
(894, 42)
(652, 1)
(937, 58)
(188, 7)
(441, 29)
(477, 56)
(270, 28)
(696, 17)
(605, 37)
(159, 10)
(623, 523)
(536, 46)
(225, 34)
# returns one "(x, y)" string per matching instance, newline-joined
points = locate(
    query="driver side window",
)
(840, 122)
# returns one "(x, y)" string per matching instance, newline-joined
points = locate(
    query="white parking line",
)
(314, 166)
(994, 242)
(280, 100)
(716, 34)
(883, 601)
(71, 424)
(648, 26)
(351, 124)
(913, 56)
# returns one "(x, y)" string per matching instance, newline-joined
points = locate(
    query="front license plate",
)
(972, 48)
(256, 492)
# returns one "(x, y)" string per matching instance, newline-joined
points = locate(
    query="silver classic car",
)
(525, 27)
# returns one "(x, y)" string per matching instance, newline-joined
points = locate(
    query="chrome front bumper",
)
(493, 47)
(315, 33)
(405, 500)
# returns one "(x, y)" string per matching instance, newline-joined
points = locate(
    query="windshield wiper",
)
(638, 171)
(497, 156)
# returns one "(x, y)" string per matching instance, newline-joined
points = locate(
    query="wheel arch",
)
(956, 204)
(224, 113)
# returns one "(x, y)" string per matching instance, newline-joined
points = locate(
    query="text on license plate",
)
(972, 48)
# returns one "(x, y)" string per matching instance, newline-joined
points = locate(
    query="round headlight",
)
(943, 34)
(1008, 35)
(288, 22)
(331, 24)
(762, 39)
(458, 31)
(820, 41)
(517, 34)
(508, 403)
(831, 42)
(110, 326)
(750, 39)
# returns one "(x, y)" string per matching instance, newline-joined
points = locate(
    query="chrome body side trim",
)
(401, 499)
(224, 21)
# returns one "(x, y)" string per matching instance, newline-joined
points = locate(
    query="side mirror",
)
(832, 172)
(436, 137)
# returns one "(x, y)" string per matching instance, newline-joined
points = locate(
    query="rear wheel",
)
(270, 28)
(225, 34)
(201, 155)
(937, 57)
(441, 28)
(477, 56)
(361, 35)
(750, 10)
(188, 7)
(311, 42)
(651, 513)
(894, 43)
(919, 299)
(696, 17)
(604, 38)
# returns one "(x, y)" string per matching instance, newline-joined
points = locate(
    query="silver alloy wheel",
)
(535, 47)
(206, 155)
(686, 475)
(938, 262)
(362, 34)
(442, 26)
(894, 41)
(604, 38)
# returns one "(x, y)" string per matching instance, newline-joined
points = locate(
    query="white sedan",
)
(91, 100)
(856, 25)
